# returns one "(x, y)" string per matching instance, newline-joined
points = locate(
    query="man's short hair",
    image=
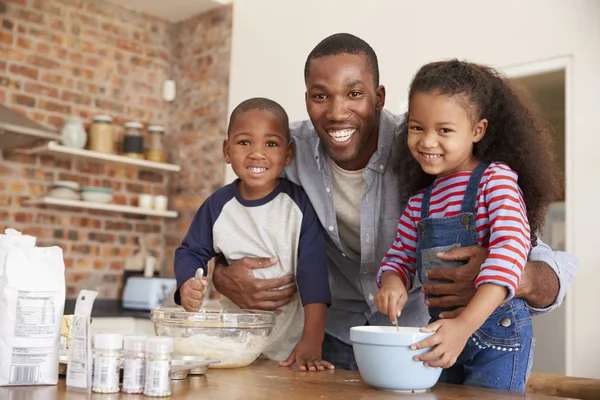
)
(261, 103)
(344, 43)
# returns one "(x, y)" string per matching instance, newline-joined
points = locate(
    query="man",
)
(344, 159)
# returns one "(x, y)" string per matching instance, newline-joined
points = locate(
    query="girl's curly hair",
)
(516, 134)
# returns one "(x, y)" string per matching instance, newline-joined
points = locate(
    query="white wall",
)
(271, 39)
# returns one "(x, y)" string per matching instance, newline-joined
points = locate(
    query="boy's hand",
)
(392, 296)
(450, 338)
(307, 354)
(192, 293)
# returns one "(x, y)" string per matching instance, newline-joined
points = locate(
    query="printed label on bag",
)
(26, 364)
(35, 314)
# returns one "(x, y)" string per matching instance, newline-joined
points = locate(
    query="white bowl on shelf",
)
(96, 194)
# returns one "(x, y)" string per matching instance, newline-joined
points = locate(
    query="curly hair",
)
(516, 133)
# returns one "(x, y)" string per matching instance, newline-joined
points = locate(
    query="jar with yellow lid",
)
(156, 150)
(102, 134)
(133, 141)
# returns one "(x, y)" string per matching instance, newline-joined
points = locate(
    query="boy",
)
(263, 215)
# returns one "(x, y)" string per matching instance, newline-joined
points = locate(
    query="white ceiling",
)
(172, 10)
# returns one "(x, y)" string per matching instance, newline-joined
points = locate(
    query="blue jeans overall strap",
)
(499, 354)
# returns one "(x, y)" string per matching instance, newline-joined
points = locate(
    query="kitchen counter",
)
(104, 308)
(266, 380)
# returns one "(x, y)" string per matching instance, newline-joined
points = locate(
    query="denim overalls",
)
(499, 354)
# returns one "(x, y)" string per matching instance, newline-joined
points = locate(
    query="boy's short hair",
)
(261, 103)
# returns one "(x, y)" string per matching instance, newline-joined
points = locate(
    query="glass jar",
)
(102, 134)
(159, 353)
(133, 141)
(107, 358)
(134, 359)
(156, 150)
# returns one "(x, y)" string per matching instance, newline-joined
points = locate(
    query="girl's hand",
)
(392, 296)
(450, 338)
(307, 354)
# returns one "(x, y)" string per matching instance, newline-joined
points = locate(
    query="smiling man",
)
(344, 159)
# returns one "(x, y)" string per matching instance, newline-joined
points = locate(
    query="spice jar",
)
(107, 356)
(159, 353)
(156, 150)
(133, 141)
(102, 134)
(134, 357)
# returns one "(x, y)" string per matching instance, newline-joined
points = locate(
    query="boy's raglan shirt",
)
(283, 225)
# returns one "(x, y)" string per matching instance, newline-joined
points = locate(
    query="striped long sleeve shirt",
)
(501, 223)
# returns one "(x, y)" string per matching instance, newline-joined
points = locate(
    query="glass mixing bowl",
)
(234, 337)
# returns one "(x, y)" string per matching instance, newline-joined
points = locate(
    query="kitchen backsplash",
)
(62, 58)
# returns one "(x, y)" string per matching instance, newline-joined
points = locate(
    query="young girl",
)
(481, 172)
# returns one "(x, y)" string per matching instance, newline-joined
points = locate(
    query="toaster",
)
(146, 293)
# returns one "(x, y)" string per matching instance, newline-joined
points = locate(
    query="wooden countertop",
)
(266, 380)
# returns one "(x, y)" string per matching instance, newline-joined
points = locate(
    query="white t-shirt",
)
(349, 188)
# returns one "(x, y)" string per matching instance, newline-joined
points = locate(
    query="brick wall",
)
(62, 58)
(201, 50)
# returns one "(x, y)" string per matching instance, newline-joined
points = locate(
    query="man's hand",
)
(307, 354)
(238, 283)
(192, 293)
(461, 289)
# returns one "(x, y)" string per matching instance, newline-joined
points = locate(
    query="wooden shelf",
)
(55, 201)
(57, 149)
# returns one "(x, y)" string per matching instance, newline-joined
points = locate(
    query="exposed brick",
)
(129, 45)
(54, 106)
(37, 88)
(109, 106)
(9, 83)
(24, 71)
(6, 37)
(76, 58)
(57, 79)
(42, 62)
(19, 157)
(37, 174)
(23, 100)
(44, 48)
(35, 189)
(116, 265)
(30, 16)
(79, 72)
(100, 264)
(16, 186)
(47, 7)
(84, 19)
(23, 43)
(83, 263)
(55, 121)
(76, 98)
(55, 163)
(2, 96)
(58, 25)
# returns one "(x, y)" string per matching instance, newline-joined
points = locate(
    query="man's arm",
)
(544, 282)
(238, 283)
(551, 272)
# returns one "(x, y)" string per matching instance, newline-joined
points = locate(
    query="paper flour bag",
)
(13, 238)
(32, 298)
